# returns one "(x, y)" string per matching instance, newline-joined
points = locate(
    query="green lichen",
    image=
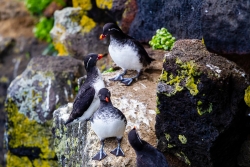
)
(23, 132)
(157, 111)
(168, 137)
(182, 156)
(247, 96)
(171, 145)
(182, 139)
(201, 110)
(108, 70)
(185, 78)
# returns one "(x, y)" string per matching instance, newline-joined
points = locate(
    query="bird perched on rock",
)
(126, 52)
(106, 122)
(146, 154)
(87, 101)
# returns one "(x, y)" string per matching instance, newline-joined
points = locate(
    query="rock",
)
(77, 144)
(5, 44)
(76, 34)
(181, 18)
(225, 26)
(201, 115)
(47, 82)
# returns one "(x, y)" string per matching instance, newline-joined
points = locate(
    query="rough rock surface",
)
(76, 30)
(75, 34)
(201, 110)
(181, 18)
(47, 82)
(225, 26)
(77, 144)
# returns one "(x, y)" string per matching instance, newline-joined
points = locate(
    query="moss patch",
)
(185, 77)
(23, 132)
(247, 96)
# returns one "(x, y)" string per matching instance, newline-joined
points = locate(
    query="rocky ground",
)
(17, 46)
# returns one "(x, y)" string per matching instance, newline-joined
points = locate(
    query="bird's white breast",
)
(108, 128)
(125, 56)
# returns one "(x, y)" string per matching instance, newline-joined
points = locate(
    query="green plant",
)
(42, 29)
(36, 7)
(162, 40)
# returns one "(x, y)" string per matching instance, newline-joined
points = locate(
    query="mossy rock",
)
(201, 107)
(47, 83)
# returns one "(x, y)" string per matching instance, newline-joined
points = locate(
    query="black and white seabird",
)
(146, 154)
(106, 122)
(126, 52)
(87, 101)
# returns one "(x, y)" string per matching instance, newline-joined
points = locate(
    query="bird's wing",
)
(82, 102)
(122, 115)
(144, 57)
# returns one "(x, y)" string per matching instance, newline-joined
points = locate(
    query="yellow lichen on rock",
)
(87, 24)
(25, 133)
(84, 4)
(62, 50)
(247, 96)
(15, 161)
(104, 4)
(185, 78)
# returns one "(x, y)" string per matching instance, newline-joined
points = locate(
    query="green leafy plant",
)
(42, 29)
(35, 6)
(162, 40)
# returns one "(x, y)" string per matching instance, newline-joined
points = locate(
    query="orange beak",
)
(102, 36)
(100, 56)
(107, 99)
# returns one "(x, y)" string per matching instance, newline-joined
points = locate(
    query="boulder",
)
(47, 82)
(201, 112)
(77, 144)
(76, 34)
(225, 26)
(181, 18)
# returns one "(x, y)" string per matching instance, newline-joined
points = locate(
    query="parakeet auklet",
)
(87, 101)
(126, 52)
(146, 154)
(106, 122)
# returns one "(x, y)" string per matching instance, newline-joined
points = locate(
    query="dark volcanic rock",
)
(181, 18)
(201, 110)
(225, 26)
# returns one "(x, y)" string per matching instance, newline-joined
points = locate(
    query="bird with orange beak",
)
(87, 101)
(126, 52)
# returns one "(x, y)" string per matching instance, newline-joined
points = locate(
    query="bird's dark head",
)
(109, 29)
(135, 140)
(91, 59)
(104, 95)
